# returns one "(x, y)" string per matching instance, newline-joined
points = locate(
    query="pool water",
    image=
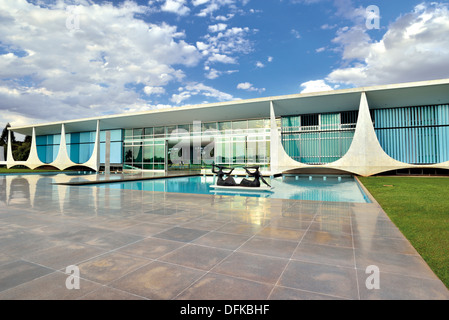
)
(316, 188)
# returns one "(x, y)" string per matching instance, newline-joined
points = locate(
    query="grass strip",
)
(419, 207)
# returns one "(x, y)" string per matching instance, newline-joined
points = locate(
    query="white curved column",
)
(94, 161)
(62, 160)
(33, 160)
(10, 162)
(279, 159)
(9, 157)
(443, 165)
(365, 155)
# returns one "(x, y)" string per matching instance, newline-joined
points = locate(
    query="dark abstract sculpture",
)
(257, 177)
(229, 181)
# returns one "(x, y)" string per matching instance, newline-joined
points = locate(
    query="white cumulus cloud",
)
(217, 27)
(195, 89)
(315, 86)
(50, 71)
(176, 6)
(415, 47)
(154, 90)
(247, 86)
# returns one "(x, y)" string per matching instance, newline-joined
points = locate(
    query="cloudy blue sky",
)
(63, 60)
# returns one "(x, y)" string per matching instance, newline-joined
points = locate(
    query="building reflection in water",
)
(45, 194)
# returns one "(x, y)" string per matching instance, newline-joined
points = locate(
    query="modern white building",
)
(362, 131)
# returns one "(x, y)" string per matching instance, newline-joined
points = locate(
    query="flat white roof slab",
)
(384, 96)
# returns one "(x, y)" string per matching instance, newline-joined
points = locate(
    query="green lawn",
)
(419, 206)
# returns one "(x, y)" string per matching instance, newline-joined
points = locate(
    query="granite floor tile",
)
(158, 280)
(383, 245)
(135, 244)
(222, 287)
(281, 293)
(196, 256)
(202, 224)
(109, 267)
(332, 255)
(109, 294)
(376, 231)
(81, 235)
(151, 248)
(162, 211)
(281, 233)
(175, 220)
(4, 258)
(145, 229)
(400, 287)
(68, 227)
(18, 272)
(62, 256)
(329, 238)
(343, 227)
(252, 267)
(407, 265)
(115, 224)
(114, 240)
(240, 228)
(269, 247)
(319, 278)
(222, 240)
(180, 234)
(290, 223)
(49, 287)
(24, 246)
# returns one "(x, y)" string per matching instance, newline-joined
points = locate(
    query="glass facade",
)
(116, 146)
(48, 147)
(318, 138)
(144, 148)
(196, 145)
(80, 146)
(415, 135)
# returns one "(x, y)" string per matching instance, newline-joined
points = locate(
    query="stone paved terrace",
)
(149, 245)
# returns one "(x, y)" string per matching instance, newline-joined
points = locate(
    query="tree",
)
(4, 136)
(20, 150)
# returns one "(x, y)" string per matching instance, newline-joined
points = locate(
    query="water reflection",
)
(50, 195)
(45, 193)
(335, 189)
(328, 221)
